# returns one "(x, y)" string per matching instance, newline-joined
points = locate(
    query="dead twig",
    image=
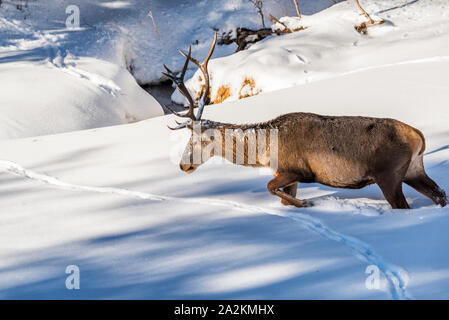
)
(275, 20)
(364, 11)
(287, 29)
(258, 4)
(297, 9)
(150, 14)
(363, 27)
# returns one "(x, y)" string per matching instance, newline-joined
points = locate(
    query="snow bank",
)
(330, 46)
(45, 89)
(43, 98)
(56, 79)
(122, 32)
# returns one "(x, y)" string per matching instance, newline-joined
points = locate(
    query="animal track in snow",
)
(396, 276)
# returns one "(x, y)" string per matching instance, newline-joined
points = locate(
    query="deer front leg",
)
(286, 180)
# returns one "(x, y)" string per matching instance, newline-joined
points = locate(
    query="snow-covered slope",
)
(330, 46)
(38, 98)
(45, 89)
(113, 202)
(123, 33)
(54, 79)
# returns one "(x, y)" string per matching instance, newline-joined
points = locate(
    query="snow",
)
(122, 32)
(114, 37)
(113, 201)
(138, 227)
(92, 93)
(330, 46)
(45, 89)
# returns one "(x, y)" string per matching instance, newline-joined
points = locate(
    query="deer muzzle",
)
(188, 168)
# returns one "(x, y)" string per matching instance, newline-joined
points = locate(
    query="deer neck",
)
(247, 145)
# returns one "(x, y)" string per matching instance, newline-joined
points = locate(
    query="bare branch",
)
(364, 11)
(150, 14)
(363, 27)
(286, 30)
(297, 9)
(258, 4)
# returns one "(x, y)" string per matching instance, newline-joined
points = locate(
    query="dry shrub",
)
(248, 88)
(223, 93)
(200, 93)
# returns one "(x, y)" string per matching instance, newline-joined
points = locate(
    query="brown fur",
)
(345, 152)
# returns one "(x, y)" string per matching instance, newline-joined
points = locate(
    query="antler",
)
(204, 100)
(179, 81)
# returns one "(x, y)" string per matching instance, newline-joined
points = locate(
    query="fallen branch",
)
(244, 37)
(287, 29)
(363, 27)
(275, 20)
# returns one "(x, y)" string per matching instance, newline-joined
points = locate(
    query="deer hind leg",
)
(390, 182)
(428, 187)
(418, 179)
(286, 180)
(290, 190)
(392, 190)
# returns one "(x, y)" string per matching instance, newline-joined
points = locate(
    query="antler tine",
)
(186, 64)
(169, 74)
(172, 78)
(179, 82)
(176, 128)
(204, 100)
(174, 112)
(180, 125)
(168, 70)
(206, 60)
(211, 51)
(190, 58)
(183, 89)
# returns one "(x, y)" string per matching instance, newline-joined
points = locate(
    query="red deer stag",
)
(341, 152)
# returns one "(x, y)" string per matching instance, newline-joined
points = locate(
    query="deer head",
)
(201, 138)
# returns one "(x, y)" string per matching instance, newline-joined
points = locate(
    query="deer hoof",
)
(297, 203)
(307, 204)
